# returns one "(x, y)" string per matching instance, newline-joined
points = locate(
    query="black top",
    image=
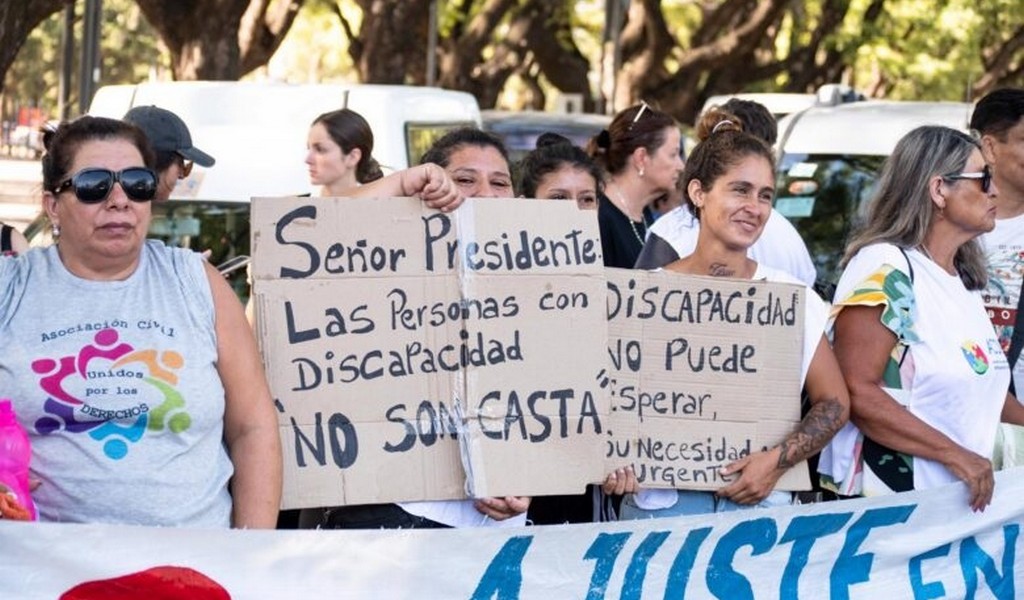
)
(656, 253)
(621, 237)
(5, 239)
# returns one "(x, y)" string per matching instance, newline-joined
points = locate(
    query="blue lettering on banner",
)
(922, 590)
(724, 573)
(504, 576)
(850, 567)
(603, 551)
(722, 579)
(682, 566)
(974, 559)
(803, 532)
(637, 570)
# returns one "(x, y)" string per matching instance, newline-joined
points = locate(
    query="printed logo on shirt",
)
(113, 392)
(975, 356)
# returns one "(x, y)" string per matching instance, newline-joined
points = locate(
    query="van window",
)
(825, 197)
(419, 137)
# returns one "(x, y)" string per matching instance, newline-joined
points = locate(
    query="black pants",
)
(375, 516)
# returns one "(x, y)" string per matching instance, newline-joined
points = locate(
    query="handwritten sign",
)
(703, 371)
(416, 355)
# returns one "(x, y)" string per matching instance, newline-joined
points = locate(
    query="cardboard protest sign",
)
(394, 334)
(703, 371)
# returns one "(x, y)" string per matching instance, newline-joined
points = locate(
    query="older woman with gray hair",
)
(927, 377)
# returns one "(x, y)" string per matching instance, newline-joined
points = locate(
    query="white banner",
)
(918, 545)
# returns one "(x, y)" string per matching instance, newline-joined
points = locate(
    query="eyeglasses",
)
(985, 176)
(93, 185)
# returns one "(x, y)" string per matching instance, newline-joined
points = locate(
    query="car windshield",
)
(825, 197)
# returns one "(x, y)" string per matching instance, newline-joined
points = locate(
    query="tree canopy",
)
(671, 53)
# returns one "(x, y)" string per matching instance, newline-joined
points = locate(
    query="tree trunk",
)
(1004, 65)
(262, 30)
(392, 42)
(549, 39)
(201, 35)
(17, 20)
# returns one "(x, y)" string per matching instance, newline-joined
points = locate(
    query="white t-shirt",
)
(1004, 254)
(815, 317)
(779, 247)
(954, 376)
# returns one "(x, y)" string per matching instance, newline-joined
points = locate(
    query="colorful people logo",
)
(70, 404)
(975, 357)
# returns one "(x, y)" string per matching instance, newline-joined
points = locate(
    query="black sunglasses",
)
(985, 176)
(93, 185)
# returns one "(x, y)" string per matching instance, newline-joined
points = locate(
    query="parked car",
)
(520, 129)
(257, 131)
(829, 159)
(783, 104)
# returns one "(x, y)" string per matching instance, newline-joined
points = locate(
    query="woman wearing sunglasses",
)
(927, 377)
(130, 363)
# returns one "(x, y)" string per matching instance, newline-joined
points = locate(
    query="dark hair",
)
(349, 130)
(723, 144)
(164, 159)
(552, 153)
(998, 112)
(629, 130)
(63, 144)
(757, 120)
(440, 152)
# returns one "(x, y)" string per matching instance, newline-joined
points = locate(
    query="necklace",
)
(924, 250)
(632, 223)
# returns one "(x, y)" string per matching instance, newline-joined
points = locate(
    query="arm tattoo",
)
(815, 430)
(721, 270)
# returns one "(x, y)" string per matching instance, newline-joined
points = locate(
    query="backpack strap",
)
(910, 270)
(1017, 340)
(5, 238)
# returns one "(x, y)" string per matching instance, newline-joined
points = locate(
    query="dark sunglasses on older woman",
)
(984, 176)
(93, 185)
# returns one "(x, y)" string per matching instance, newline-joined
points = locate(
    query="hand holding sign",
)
(758, 474)
(431, 183)
(500, 509)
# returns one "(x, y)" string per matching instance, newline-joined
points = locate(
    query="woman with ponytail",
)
(729, 185)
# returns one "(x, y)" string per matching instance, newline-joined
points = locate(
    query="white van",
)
(829, 159)
(257, 131)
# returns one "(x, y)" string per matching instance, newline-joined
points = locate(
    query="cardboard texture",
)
(415, 355)
(702, 372)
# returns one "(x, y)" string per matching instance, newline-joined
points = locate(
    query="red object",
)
(158, 583)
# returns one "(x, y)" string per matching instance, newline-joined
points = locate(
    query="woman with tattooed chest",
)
(729, 185)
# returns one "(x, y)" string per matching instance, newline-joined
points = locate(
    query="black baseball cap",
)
(167, 133)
